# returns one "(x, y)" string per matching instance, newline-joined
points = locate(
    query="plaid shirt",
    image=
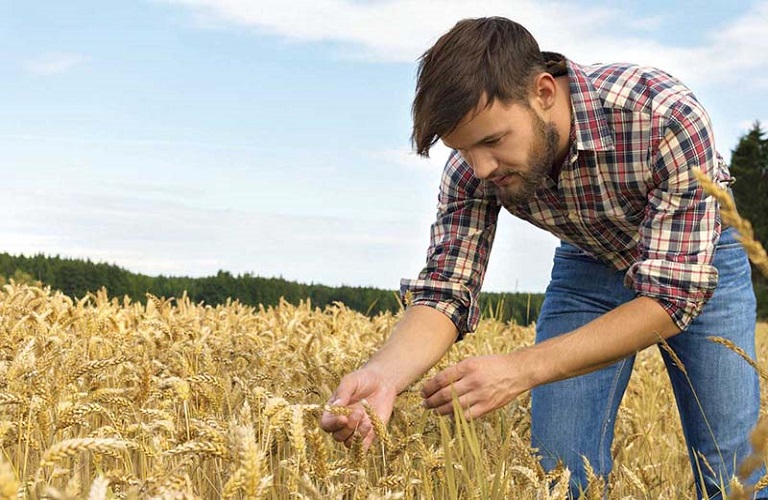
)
(625, 195)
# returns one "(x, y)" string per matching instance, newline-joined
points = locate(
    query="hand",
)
(353, 388)
(481, 384)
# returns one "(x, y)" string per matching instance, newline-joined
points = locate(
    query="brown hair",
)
(491, 56)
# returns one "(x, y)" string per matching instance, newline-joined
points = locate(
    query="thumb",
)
(345, 393)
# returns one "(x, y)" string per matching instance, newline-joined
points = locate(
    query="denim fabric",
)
(575, 418)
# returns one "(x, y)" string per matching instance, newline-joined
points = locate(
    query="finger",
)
(332, 423)
(346, 392)
(464, 402)
(365, 432)
(359, 435)
(357, 422)
(343, 434)
(473, 412)
(365, 427)
(350, 440)
(446, 394)
(444, 378)
(356, 417)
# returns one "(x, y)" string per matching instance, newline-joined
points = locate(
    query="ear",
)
(543, 91)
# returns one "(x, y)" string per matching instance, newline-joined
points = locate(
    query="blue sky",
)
(186, 136)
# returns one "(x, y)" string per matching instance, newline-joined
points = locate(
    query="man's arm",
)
(483, 384)
(628, 329)
(418, 341)
(681, 225)
(444, 304)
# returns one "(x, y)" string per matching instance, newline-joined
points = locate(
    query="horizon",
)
(235, 275)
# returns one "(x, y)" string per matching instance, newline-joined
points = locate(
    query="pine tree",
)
(749, 165)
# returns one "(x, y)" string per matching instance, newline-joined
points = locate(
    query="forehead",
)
(485, 121)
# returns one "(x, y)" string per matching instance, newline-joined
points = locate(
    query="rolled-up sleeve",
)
(460, 243)
(681, 226)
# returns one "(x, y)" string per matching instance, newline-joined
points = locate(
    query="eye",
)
(492, 142)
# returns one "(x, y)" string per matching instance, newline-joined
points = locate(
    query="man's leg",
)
(575, 418)
(718, 394)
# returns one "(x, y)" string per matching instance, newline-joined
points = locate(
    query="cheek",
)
(516, 153)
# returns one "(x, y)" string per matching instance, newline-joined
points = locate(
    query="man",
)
(602, 157)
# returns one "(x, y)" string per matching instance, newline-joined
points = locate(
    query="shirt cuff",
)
(452, 299)
(681, 289)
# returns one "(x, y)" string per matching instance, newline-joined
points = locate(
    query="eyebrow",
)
(484, 139)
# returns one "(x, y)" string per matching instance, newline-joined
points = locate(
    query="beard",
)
(541, 157)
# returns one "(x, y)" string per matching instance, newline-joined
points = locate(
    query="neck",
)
(561, 118)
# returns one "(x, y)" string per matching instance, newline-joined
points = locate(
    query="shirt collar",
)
(591, 127)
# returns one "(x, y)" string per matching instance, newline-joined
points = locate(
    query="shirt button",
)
(572, 216)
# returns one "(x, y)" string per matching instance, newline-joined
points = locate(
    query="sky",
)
(183, 137)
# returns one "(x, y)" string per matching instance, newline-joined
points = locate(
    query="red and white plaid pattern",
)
(626, 195)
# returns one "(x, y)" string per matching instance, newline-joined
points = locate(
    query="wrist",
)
(386, 375)
(531, 369)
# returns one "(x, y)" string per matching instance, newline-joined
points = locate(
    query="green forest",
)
(76, 278)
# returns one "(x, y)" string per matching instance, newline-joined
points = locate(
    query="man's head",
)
(509, 145)
(484, 90)
(492, 58)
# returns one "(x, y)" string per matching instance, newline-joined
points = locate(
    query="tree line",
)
(77, 277)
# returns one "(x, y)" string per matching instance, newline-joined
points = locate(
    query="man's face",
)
(509, 145)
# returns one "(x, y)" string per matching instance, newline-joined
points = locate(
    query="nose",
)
(483, 163)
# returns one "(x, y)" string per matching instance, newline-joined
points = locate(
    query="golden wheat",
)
(113, 399)
(378, 425)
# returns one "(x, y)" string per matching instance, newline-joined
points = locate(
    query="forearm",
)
(613, 336)
(418, 341)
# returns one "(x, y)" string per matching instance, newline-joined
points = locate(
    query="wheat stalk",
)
(730, 216)
(72, 447)
(738, 350)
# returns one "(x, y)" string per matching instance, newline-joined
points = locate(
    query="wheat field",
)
(104, 398)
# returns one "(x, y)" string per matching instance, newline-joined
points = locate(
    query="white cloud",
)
(54, 63)
(410, 160)
(648, 23)
(744, 40)
(400, 30)
(735, 52)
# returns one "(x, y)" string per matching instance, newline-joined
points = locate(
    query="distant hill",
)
(76, 277)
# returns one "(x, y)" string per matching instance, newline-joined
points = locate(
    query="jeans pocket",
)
(732, 264)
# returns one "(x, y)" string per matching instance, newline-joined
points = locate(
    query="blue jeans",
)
(575, 418)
